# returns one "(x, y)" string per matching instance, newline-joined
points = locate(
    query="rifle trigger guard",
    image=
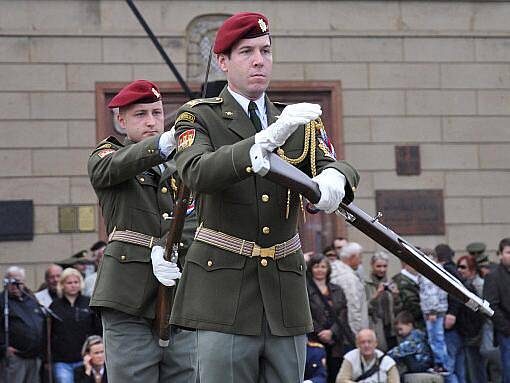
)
(347, 216)
(376, 218)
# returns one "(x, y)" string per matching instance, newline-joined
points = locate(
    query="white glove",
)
(166, 272)
(332, 186)
(292, 116)
(167, 142)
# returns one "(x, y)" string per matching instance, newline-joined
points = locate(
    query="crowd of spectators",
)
(368, 327)
(52, 335)
(373, 328)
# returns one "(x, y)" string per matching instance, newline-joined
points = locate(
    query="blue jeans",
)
(435, 332)
(456, 357)
(64, 371)
(504, 347)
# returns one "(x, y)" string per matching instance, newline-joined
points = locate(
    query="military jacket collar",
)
(239, 122)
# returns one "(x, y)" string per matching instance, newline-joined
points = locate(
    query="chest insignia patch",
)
(103, 153)
(186, 139)
(185, 116)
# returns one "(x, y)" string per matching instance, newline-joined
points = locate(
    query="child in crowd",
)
(434, 305)
(413, 353)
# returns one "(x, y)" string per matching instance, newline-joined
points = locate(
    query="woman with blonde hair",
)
(77, 323)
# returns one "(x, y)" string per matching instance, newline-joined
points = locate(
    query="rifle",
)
(166, 294)
(275, 169)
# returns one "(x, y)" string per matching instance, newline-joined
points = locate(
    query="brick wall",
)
(433, 73)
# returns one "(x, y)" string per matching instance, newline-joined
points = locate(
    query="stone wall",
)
(432, 73)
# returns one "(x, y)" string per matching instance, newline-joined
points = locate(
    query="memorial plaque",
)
(412, 212)
(67, 219)
(408, 160)
(17, 223)
(86, 219)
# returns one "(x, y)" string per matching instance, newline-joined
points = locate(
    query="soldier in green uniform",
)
(133, 183)
(243, 286)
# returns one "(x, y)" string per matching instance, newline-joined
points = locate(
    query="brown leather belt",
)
(133, 237)
(244, 247)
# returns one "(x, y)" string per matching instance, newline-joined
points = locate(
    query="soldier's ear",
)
(222, 59)
(121, 118)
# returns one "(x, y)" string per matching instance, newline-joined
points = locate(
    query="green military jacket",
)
(219, 290)
(134, 195)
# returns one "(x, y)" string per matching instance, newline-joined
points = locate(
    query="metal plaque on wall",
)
(407, 160)
(412, 212)
(17, 223)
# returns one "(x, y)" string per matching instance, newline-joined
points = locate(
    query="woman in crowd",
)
(329, 313)
(383, 301)
(77, 322)
(93, 369)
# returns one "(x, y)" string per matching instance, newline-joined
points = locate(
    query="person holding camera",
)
(20, 356)
(383, 297)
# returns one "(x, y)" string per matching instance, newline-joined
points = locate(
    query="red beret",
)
(244, 25)
(139, 91)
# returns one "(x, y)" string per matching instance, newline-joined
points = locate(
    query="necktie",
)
(252, 109)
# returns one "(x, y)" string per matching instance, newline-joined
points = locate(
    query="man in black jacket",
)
(22, 357)
(496, 292)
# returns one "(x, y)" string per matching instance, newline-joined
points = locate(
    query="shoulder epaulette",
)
(108, 145)
(315, 344)
(198, 101)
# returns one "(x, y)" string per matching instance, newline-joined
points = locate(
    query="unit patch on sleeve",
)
(186, 139)
(185, 116)
(105, 152)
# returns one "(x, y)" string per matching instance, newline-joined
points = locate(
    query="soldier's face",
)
(142, 120)
(249, 67)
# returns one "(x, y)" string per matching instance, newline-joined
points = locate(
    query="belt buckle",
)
(263, 252)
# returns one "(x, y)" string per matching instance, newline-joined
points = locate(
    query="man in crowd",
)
(243, 284)
(337, 245)
(347, 278)
(409, 293)
(51, 277)
(366, 363)
(22, 358)
(496, 292)
(96, 251)
(134, 189)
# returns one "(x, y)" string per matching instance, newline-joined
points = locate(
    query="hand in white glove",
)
(166, 272)
(292, 116)
(167, 142)
(332, 186)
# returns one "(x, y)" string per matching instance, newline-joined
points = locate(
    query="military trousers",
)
(133, 354)
(231, 358)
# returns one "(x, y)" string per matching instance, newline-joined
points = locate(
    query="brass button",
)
(122, 257)
(265, 198)
(165, 215)
(263, 262)
(164, 190)
(142, 179)
(266, 230)
(300, 267)
(354, 188)
(249, 169)
(209, 263)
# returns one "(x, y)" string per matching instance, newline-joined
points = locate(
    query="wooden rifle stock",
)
(291, 177)
(173, 242)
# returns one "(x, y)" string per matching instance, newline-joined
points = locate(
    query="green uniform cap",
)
(476, 248)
